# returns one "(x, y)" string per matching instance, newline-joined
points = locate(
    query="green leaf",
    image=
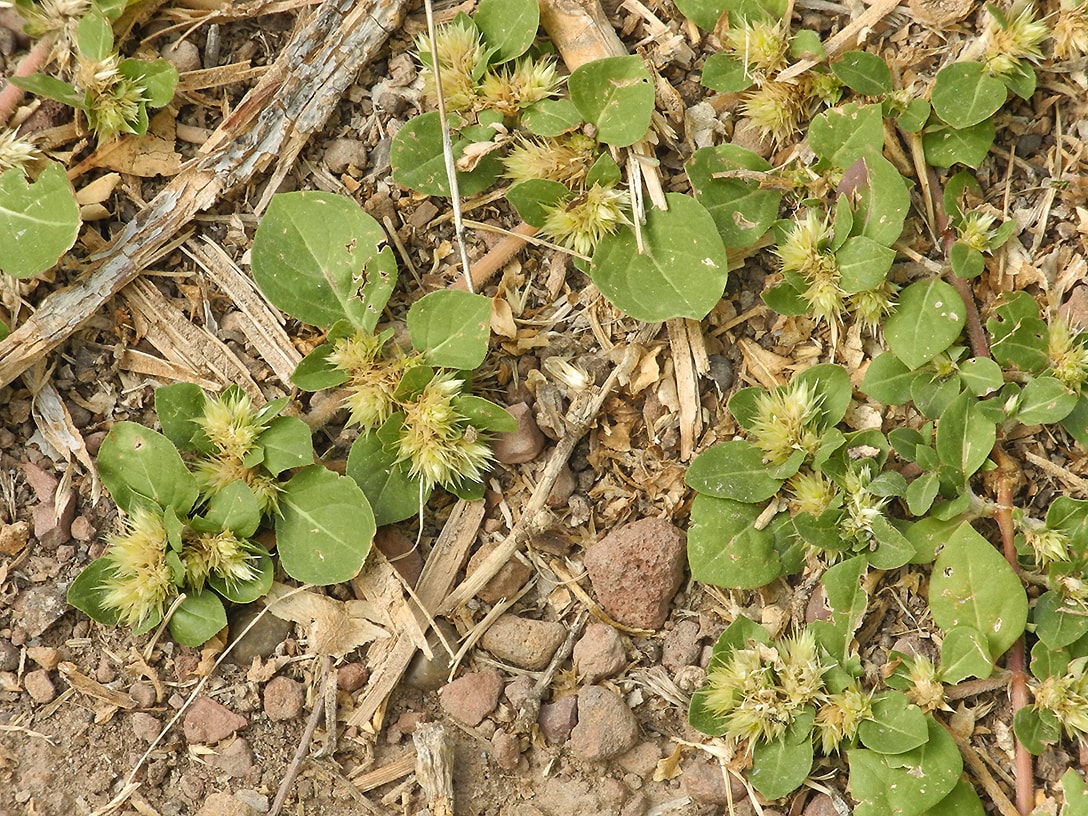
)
(197, 619)
(897, 726)
(319, 257)
(964, 94)
(158, 77)
(733, 470)
(418, 162)
(243, 592)
(742, 211)
(779, 767)
(725, 74)
(928, 535)
(234, 508)
(965, 653)
(138, 465)
(326, 527)
(1057, 623)
(393, 493)
(704, 13)
(682, 272)
(981, 375)
(908, 783)
(930, 316)
(863, 264)
(883, 202)
(39, 221)
(888, 380)
(913, 118)
(551, 117)
(964, 438)
(962, 801)
(94, 36)
(806, 44)
(451, 328)
(725, 549)
(893, 548)
(617, 95)
(831, 383)
(865, 73)
(967, 262)
(484, 414)
(1076, 794)
(604, 172)
(86, 592)
(287, 443)
(51, 88)
(845, 594)
(842, 136)
(315, 373)
(1036, 729)
(973, 585)
(533, 198)
(1045, 400)
(509, 26)
(178, 406)
(945, 146)
(921, 493)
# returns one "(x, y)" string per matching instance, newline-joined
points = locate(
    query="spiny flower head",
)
(863, 506)
(824, 86)
(785, 421)
(776, 108)
(117, 110)
(222, 554)
(872, 306)
(141, 580)
(1071, 30)
(1066, 697)
(580, 224)
(373, 377)
(838, 718)
(926, 690)
(1047, 545)
(759, 691)
(1068, 355)
(977, 230)
(461, 62)
(230, 423)
(565, 159)
(812, 492)
(15, 151)
(509, 90)
(59, 17)
(437, 441)
(804, 247)
(1012, 38)
(761, 45)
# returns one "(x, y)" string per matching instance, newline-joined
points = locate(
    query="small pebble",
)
(505, 750)
(45, 656)
(557, 720)
(261, 640)
(82, 529)
(523, 445)
(681, 646)
(506, 582)
(344, 153)
(820, 805)
(472, 696)
(284, 698)
(235, 760)
(519, 690)
(13, 537)
(223, 804)
(145, 726)
(207, 721)
(9, 656)
(183, 55)
(705, 782)
(606, 725)
(599, 654)
(39, 686)
(352, 677)
(524, 642)
(143, 693)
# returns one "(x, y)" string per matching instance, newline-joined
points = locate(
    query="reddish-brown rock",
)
(636, 569)
(208, 721)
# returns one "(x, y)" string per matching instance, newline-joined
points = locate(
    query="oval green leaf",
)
(733, 470)
(964, 94)
(725, 549)
(682, 272)
(319, 257)
(509, 26)
(39, 220)
(393, 493)
(617, 95)
(930, 317)
(197, 619)
(138, 465)
(451, 328)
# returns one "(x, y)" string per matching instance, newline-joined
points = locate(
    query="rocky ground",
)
(573, 701)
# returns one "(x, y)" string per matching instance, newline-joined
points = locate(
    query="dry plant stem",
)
(1014, 659)
(434, 767)
(11, 94)
(306, 81)
(497, 257)
(293, 769)
(535, 517)
(982, 773)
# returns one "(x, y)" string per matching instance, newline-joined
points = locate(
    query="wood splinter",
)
(434, 767)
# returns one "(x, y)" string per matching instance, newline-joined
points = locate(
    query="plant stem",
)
(12, 94)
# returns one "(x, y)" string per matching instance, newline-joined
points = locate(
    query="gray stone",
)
(505, 749)
(506, 582)
(261, 640)
(145, 726)
(235, 760)
(183, 55)
(523, 642)
(606, 725)
(523, 445)
(223, 804)
(681, 646)
(344, 153)
(9, 656)
(598, 654)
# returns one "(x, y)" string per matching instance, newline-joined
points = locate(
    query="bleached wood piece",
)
(296, 95)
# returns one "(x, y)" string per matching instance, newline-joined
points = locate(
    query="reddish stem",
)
(12, 94)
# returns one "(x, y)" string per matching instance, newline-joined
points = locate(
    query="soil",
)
(68, 747)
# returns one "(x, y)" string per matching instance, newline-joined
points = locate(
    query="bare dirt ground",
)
(80, 704)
